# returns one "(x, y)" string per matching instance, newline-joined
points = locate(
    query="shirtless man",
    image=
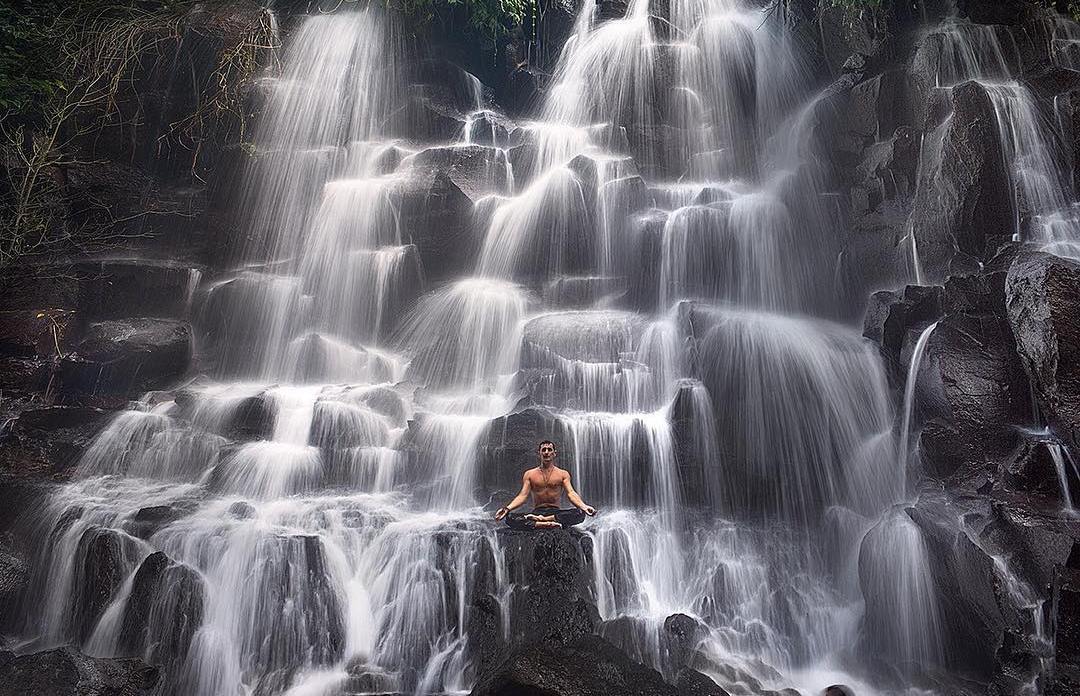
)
(546, 483)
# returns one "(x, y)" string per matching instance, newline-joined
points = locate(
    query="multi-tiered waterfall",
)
(649, 264)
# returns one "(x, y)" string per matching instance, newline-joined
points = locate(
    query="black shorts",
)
(565, 517)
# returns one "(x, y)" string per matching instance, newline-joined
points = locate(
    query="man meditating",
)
(546, 484)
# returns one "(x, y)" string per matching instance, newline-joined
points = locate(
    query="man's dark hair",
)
(547, 442)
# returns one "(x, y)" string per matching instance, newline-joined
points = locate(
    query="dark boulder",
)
(103, 559)
(1043, 297)
(148, 520)
(1033, 470)
(450, 84)
(525, 91)
(551, 572)
(588, 666)
(964, 580)
(427, 116)
(886, 173)
(690, 682)
(253, 419)
(48, 442)
(163, 611)
(580, 292)
(837, 690)
(128, 356)
(974, 390)
(295, 601)
(489, 129)
(509, 448)
(964, 200)
(135, 288)
(1065, 618)
(476, 170)
(242, 510)
(14, 576)
(438, 217)
(67, 672)
(891, 316)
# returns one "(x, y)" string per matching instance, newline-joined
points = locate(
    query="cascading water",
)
(1031, 142)
(650, 264)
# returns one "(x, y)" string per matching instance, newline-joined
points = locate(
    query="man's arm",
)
(575, 499)
(518, 500)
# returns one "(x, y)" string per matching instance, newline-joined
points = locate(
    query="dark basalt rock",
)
(1032, 471)
(891, 316)
(1065, 620)
(588, 666)
(295, 602)
(1043, 296)
(476, 170)
(976, 550)
(690, 682)
(489, 129)
(974, 391)
(552, 597)
(253, 419)
(242, 510)
(128, 356)
(67, 672)
(450, 84)
(837, 690)
(163, 611)
(14, 576)
(427, 116)
(127, 288)
(437, 216)
(103, 560)
(48, 442)
(965, 205)
(509, 448)
(148, 520)
(525, 90)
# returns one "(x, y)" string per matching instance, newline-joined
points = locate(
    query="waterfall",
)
(645, 268)
(1031, 143)
(909, 395)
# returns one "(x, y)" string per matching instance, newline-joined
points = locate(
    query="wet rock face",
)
(891, 317)
(509, 449)
(551, 601)
(67, 672)
(1043, 297)
(47, 442)
(163, 611)
(964, 583)
(552, 573)
(1065, 606)
(979, 390)
(104, 558)
(588, 666)
(128, 356)
(965, 206)
(437, 217)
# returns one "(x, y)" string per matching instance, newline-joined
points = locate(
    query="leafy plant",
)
(63, 69)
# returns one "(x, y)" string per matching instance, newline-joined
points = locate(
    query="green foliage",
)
(27, 75)
(65, 69)
(491, 19)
